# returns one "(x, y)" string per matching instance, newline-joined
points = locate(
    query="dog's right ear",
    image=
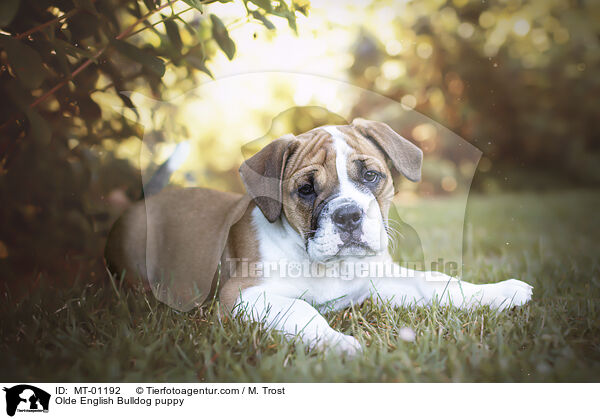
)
(406, 157)
(262, 175)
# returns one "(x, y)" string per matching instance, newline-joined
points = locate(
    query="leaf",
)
(264, 4)
(257, 15)
(72, 50)
(191, 30)
(149, 61)
(135, 10)
(25, 62)
(86, 5)
(282, 10)
(173, 33)
(127, 102)
(62, 60)
(301, 6)
(220, 34)
(150, 4)
(291, 18)
(39, 128)
(110, 22)
(84, 25)
(20, 97)
(199, 64)
(8, 11)
(50, 31)
(88, 109)
(196, 4)
(196, 57)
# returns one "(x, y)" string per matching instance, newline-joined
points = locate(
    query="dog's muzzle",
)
(339, 225)
(347, 219)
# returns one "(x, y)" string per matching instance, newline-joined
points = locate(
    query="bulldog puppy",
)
(310, 235)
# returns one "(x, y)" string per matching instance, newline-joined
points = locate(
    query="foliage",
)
(93, 332)
(518, 79)
(56, 174)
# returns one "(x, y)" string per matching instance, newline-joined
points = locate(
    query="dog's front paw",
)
(509, 293)
(339, 343)
(348, 345)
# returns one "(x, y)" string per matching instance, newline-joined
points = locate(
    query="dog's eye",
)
(306, 190)
(371, 176)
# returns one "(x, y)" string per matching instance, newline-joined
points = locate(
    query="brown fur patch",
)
(240, 247)
(315, 159)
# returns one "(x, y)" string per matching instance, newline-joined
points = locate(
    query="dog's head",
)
(333, 185)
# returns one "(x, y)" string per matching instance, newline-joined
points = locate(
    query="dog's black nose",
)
(347, 217)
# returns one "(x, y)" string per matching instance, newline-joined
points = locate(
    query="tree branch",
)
(46, 24)
(86, 64)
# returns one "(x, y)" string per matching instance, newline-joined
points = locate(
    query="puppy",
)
(310, 235)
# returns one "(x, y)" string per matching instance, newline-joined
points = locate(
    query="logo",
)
(26, 398)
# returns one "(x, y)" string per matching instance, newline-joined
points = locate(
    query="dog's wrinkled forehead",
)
(330, 204)
(328, 147)
(336, 149)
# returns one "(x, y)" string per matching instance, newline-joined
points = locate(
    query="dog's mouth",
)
(355, 248)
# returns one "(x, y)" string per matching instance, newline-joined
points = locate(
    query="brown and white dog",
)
(316, 209)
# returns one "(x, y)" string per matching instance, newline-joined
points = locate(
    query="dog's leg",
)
(423, 288)
(292, 317)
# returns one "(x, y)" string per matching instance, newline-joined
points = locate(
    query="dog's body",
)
(311, 233)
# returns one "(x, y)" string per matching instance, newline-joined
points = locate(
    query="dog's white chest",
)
(286, 270)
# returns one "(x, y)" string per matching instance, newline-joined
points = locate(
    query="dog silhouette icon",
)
(27, 397)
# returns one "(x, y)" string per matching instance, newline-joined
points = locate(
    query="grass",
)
(96, 332)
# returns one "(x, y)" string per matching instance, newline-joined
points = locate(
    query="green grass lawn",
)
(97, 332)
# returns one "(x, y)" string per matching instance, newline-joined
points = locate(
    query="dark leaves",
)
(126, 100)
(39, 128)
(87, 5)
(199, 64)
(83, 25)
(173, 33)
(259, 16)
(56, 150)
(151, 4)
(282, 10)
(196, 4)
(24, 61)
(197, 59)
(8, 10)
(301, 6)
(147, 60)
(72, 50)
(88, 109)
(264, 4)
(220, 34)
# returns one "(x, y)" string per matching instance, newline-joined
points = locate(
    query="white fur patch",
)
(326, 241)
(287, 303)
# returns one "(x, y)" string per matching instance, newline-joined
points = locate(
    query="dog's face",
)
(337, 190)
(333, 185)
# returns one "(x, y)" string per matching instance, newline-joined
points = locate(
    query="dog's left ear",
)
(262, 175)
(406, 157)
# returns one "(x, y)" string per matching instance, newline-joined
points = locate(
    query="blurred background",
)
(97, 93)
